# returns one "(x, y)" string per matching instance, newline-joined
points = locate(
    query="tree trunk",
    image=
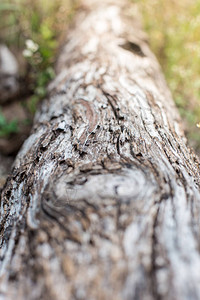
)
(103, 201)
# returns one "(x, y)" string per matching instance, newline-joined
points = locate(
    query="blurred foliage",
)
(35, 28)
(174, 30)
(6, 127)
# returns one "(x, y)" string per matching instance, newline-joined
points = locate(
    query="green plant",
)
(6, 127)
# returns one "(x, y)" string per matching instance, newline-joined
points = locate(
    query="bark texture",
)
(103, 201)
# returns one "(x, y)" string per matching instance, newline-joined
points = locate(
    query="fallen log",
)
(103, 201)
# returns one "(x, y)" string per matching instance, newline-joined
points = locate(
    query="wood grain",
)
(103, 201)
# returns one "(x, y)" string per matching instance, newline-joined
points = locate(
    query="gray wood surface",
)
(103, 201)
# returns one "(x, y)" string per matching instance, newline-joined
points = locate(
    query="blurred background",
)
(31, 32)
(173, 28)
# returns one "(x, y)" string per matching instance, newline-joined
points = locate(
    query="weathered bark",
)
(103, 201)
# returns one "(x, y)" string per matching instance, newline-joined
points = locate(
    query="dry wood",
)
(103, 201)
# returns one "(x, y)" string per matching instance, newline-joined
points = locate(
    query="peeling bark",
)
(103, 201)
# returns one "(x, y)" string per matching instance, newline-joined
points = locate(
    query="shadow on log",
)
(103, 201)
